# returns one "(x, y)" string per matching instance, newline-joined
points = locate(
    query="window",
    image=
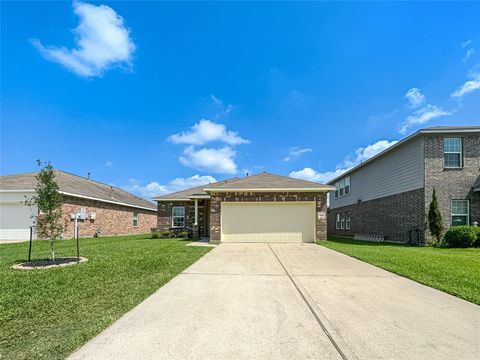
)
(337, 222)
(452, 152)
(347, 221)
(135, 218)
(342, 187)
(460, 212)
(342, 221)
(178, 216)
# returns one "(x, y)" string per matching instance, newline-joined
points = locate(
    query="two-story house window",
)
(342, 187)
(460, 212)
(452, 152)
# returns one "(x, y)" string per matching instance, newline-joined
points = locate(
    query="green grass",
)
(49, 313)
(455, 271)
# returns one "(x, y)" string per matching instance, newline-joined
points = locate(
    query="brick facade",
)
(164, 217)
(111, 219)
(216, 199)
(396, 217)
(452, 184)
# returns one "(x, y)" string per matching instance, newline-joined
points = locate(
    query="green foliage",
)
(182, 234)
(461, 236)
(435, 222)
(156, 234)
(455, 271)
(48, 200)
(47, 314)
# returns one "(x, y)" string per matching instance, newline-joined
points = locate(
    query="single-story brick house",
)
(258, 208)
(104, 209)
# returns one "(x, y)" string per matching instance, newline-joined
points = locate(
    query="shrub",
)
(155, 234)
(182, 234)
(165, 234)
(435, 222)
(461, 236)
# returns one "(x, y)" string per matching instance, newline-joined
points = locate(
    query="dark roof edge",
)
(431, 130)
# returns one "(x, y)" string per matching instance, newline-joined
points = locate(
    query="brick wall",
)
(452, 184)
(164, 216)
(392, 216)
(112, 219)
(217, 198)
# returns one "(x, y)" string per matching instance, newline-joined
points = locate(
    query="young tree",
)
(48, 200)
(435, 222)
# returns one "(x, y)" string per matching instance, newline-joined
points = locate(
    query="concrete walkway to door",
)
(290, 301)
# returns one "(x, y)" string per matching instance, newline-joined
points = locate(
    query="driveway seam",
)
(315, 315)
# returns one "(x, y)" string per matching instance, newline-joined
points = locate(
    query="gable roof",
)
(187, 194)
(269, 182)
(429, 130)
(77, 186)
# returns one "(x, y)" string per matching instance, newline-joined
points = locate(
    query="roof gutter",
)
(319, 189)
(82, 197)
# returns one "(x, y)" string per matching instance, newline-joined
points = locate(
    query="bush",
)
(166, 234)
(182, 234)
(155, 235)
(461, 236)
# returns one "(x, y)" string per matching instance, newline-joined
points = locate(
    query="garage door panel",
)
(268, 222)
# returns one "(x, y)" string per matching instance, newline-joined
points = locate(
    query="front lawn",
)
(455, 271)
(50, 313)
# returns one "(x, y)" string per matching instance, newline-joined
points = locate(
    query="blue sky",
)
(155, 96)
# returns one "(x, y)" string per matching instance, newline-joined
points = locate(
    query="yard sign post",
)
(30, 245)
(75, 233)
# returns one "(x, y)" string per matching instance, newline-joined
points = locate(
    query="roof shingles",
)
(263, 181)
(77, 185)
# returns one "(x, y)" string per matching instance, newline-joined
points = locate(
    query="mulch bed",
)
(48, 264)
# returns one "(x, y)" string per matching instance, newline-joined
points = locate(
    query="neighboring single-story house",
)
(102, 209)
(258, 208)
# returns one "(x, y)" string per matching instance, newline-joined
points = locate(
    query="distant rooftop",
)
(75, 185)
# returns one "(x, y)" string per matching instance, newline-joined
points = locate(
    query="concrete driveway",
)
(290, 301)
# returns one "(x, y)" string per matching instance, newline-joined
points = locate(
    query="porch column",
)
(196, 212)
(195, 232)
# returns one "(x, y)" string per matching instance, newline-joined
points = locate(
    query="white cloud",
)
(422, 116)
(221, 108)
(468, 54)
(154, 188)
(311, 175)
(470, 85)
(220, 161)
(359, 155)
(364, 153)
(295, 153)
(102, 42)
(207, 131)
(109, 163)
(415, 97)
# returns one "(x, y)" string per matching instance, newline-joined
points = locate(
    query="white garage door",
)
(15, 217)
(268, 222)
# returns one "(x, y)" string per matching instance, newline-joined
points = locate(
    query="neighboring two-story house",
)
(389, 194)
